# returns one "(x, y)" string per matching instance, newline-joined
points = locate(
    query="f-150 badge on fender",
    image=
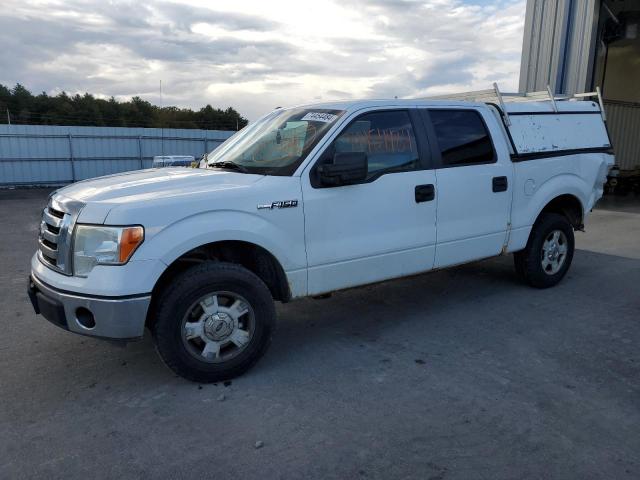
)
(280, 204)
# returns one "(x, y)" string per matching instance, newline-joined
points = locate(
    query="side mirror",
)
(347, 168)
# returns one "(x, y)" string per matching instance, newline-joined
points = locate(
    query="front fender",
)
(285, 241)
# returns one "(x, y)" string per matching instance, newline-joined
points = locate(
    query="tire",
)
(533, 264)
(202, 309)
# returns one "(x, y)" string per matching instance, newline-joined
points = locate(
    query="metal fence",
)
(56, 155)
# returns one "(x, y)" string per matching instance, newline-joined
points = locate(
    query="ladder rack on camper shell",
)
(495, 96)
(551, 125)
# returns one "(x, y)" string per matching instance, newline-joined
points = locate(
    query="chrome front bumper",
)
(121, 318)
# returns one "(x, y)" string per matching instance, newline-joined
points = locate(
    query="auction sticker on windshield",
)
(319, 117)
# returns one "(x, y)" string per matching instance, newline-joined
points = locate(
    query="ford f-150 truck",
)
(309, 200)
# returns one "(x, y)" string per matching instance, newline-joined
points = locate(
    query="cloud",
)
(255, 55)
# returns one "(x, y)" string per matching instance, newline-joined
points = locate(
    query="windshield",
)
(276, 144)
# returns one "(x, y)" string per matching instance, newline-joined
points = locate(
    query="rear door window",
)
(462, 137)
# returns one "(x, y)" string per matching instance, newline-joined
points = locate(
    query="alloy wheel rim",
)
(218, 327)
(554, 252)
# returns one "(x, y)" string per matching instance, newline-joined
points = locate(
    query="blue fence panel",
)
(55, 155)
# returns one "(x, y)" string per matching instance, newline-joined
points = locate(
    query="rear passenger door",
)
(474, 185)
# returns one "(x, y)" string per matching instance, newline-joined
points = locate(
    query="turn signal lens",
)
(131, 239)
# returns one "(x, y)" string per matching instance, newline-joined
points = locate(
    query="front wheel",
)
(214, 322)
(549, 251)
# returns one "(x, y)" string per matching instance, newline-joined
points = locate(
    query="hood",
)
(145, 185)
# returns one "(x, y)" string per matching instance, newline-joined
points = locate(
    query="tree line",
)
(19, 106)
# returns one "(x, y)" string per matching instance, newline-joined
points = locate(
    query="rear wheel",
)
(549, 251)
(214, 322)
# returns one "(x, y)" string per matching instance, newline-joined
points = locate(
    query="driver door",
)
(384, 227)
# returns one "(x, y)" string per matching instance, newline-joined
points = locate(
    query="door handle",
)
(425, 193)
(500, 184)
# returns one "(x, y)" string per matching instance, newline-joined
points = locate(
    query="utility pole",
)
(8, 117)
(161, 123)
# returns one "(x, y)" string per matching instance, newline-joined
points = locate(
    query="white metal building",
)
(577, 45)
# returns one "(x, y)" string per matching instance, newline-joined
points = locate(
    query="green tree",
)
(86, 109)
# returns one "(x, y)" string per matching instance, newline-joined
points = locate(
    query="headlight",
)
(98, 245)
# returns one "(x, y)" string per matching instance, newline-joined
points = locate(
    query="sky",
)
(255, 55)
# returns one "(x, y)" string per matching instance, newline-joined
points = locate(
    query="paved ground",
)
(460, 374)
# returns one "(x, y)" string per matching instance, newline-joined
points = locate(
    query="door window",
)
(462, 137)
(386, 137)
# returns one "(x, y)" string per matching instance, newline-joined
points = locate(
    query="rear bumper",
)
(120, 318)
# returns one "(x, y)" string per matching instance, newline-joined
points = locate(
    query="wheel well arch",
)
(251, 256)
(567, 205)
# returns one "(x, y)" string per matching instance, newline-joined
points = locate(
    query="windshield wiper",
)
(229, 165)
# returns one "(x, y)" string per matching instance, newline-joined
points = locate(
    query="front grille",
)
(54, 238)
(55, 213)
(50, 227)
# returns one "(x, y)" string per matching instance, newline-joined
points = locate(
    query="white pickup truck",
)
(309, 200)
